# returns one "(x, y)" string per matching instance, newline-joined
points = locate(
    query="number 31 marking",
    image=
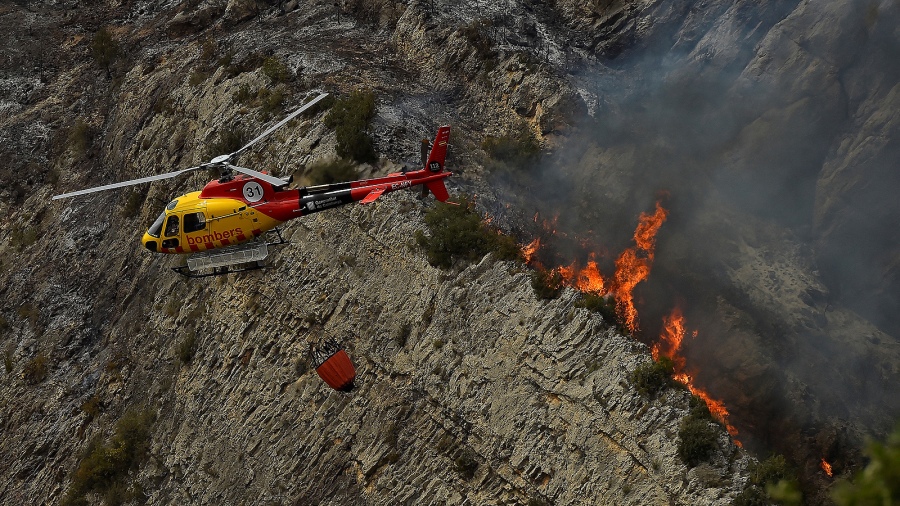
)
(253, 192)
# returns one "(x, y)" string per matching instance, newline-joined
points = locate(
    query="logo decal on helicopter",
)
(215, 236)
(323, 204)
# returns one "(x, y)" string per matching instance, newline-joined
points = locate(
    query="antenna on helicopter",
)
(221, 162)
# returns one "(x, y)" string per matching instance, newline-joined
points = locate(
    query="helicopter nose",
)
(149, 242)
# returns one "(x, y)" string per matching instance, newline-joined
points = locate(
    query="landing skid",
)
(239, 258)
(185, 271)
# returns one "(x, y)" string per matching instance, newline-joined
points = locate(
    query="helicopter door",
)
(195, 230)
(171, 231)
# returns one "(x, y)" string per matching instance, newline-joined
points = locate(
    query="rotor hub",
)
(220, 160)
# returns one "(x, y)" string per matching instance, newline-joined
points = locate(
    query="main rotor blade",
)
(259, 175)
(278, 125)
(127, 183)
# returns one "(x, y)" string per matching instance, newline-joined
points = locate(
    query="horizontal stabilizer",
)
(374, 194)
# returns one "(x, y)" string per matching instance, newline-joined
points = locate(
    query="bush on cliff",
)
(519, 149)
(105, 465)
(350, 117)
(770, 481)
(547, 284)
(652, 377)
(879, 482)
(332, 171)
(104, 49)
(696, 440)
(457, 232)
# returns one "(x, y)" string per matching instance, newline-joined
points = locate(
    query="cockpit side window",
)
(172, 226)
(194, 222)
(156, 228)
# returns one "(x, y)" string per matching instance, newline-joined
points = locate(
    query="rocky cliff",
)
(470, 389)
(770, 126)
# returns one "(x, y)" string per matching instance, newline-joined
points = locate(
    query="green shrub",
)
(458, 232)
(36, 369)
(187, 348)
(104, 48)
(234, 68)
(350, 117)
(8, 359)
(700, 410)
(301, 366)
(133, 201)
(652, 377)
(29, 312)
(752, 496)
(228, 141)
(91, 407)
(276, 70)
(243, 95)
(332, 171)
(518, 149)
(198, 77)
(22, 237)
(506, 247)
(546, 284)
(879, 482)
(770, 480)
(320, 106)
(466, 465)
(403, 334)
(474, 33)
(227, 60)
(271, 101)
(80, 137)
(208, 50)
(105, 465)
(771, 470)
(696, 440)
(605, 305)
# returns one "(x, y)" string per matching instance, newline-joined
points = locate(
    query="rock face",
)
(773, 127)
(470, 389)
(466, 364)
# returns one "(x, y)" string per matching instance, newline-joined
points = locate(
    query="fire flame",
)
(633, 265)
(827, 468)
(530, 249)
(671, 339)
(587, 279)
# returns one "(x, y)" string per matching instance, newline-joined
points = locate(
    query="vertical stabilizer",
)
(439, 151)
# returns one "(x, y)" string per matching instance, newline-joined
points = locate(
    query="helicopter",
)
(222, 226)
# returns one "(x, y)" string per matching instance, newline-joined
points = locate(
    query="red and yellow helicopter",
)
(222, 225)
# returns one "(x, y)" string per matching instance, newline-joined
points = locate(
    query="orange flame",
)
(530, 249)
(633, 265)
(827, 468)
(671, 339)
(586, 279)
(589, 279)
(645, 234)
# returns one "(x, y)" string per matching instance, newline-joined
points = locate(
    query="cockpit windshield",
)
(156, 228)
